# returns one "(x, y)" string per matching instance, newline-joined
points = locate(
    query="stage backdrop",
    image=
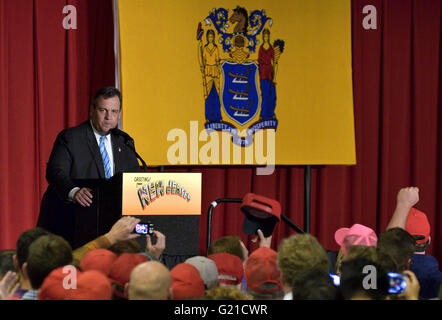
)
(47, 75)
(273, 76)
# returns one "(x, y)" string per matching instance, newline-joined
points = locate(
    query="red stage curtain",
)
(48, 74)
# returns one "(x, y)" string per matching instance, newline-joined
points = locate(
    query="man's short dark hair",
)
(395, 248)
(353, 275)
(314, 285)
(420, 247)
(46, 254)
(106, 93)
(229, 244)
(25, 240)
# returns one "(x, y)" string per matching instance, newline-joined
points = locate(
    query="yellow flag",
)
(238, 82)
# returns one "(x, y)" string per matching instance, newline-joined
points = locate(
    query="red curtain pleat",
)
(47, 75)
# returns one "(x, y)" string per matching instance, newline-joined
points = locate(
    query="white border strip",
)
(116, 44)
(117, 49)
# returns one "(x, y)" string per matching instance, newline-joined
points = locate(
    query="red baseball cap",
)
(261, 268)
(358, 234)
(260, 213)
(98, 259)
(52, 286)
(186, 282)
(121, 269)
(92, 285)
(417, 225)
(88, 285)
(230, 267)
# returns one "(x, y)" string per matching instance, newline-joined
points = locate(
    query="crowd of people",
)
(393, 265)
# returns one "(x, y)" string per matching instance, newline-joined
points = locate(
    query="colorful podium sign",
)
(171, 193)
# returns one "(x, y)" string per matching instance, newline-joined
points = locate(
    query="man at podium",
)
(91, 150)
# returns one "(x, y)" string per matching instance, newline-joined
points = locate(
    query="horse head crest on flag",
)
(239, 84)
(241, 19)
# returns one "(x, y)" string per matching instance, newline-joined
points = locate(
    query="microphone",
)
(119, 132)
(129, 141)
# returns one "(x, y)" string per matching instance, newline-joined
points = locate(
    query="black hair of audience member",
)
(25, 240)
(420, 247)
(394, 249)
(314, 285)
(47, 253)
(128, 246)
(353, 278)
(6, 262)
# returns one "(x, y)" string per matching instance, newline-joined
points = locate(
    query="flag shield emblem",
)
(240, 97)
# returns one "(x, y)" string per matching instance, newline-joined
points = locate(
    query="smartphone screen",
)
(336, 279)
(144, 228)
(397, 282)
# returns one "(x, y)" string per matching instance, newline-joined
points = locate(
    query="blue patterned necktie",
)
(105, 156)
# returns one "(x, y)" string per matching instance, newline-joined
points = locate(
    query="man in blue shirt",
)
(415, 222)
(425, 266)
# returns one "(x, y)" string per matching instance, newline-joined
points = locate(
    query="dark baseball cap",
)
(260, 213)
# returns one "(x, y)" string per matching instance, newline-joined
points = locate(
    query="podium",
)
(96, 220)
(181, 230)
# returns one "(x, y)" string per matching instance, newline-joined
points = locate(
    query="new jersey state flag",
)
(238, 82)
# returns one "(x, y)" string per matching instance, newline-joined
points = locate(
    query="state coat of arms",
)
(239, 65)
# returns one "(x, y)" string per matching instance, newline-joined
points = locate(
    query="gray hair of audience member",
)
(150, 281)
(207, 269)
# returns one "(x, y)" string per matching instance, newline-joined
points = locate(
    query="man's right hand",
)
(413, 286)
(83, 197)
(408, 197)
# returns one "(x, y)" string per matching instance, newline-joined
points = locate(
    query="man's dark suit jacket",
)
(76, 156)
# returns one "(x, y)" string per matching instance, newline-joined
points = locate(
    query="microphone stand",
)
(131, 146)
(128, 141)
